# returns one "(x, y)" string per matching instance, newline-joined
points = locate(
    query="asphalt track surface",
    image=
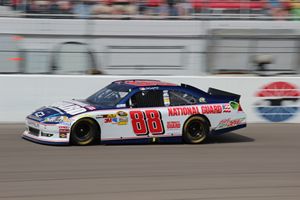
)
(260, 162)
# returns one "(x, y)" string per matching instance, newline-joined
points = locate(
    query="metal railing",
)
(198, 16)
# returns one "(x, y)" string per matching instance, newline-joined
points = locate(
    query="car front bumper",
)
(56, 134)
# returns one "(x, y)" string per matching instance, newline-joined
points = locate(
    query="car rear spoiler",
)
(216, 92)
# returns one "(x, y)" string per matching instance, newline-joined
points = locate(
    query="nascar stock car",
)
(138, 111)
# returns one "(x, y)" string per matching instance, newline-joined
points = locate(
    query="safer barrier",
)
(264, 99)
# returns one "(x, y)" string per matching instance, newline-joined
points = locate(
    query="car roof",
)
(144, 83)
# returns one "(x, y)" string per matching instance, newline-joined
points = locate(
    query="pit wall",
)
(264, 99)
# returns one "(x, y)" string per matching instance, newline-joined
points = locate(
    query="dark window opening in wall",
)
(72, 58)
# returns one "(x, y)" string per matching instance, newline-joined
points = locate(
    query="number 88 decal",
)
(147, 122)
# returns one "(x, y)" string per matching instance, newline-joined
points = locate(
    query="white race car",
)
(137, 111)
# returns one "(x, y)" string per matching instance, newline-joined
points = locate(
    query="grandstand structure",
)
(279, 9)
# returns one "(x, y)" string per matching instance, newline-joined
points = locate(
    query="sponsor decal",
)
(63, 135)
(70, 108)
(120, 118)
(123, 121)
(107, 120)
(166, 98)
(118, 121)
(39, 114)
(57, 119)
(202, 100)
(226, 108)
(180, 111)
(46, 134)
(106, 116)
(205, 109)
(211, 109)
(226, 123)
(115, 120)
(234, 105)
(278, 101)
(147, 82)
(64, 129)
(122, 114)
(111, 116)
(173, 125)
(149, 88)
(166, 101)
(66, 119)
(99, 116)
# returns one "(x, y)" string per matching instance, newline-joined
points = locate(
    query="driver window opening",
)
(147, 98)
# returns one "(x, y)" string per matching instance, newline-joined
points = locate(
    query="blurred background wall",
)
(149, 47)
(150, 37)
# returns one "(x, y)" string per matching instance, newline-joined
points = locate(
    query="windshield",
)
(108, 96)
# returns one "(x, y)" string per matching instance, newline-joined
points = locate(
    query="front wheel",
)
(195, 130)
(84, 132)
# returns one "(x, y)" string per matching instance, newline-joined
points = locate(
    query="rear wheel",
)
(195, 130)
(84, 132)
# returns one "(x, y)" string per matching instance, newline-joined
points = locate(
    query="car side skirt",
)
(164, 140)
(225, 130)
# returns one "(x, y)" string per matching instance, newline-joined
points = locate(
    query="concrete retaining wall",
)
(263, 99)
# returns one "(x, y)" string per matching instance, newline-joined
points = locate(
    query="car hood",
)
(64, 108)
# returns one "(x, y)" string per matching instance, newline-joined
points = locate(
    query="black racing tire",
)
(84, 132)
(195, 130)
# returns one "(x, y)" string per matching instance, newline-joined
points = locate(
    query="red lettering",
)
(173, 124)
(219, 109)
(64, 129)
(194, 111)
(203, 109)
(170, 112)
(181, 111)
(178, 113)
(107, 120)
(211, 109)
(189, 111)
